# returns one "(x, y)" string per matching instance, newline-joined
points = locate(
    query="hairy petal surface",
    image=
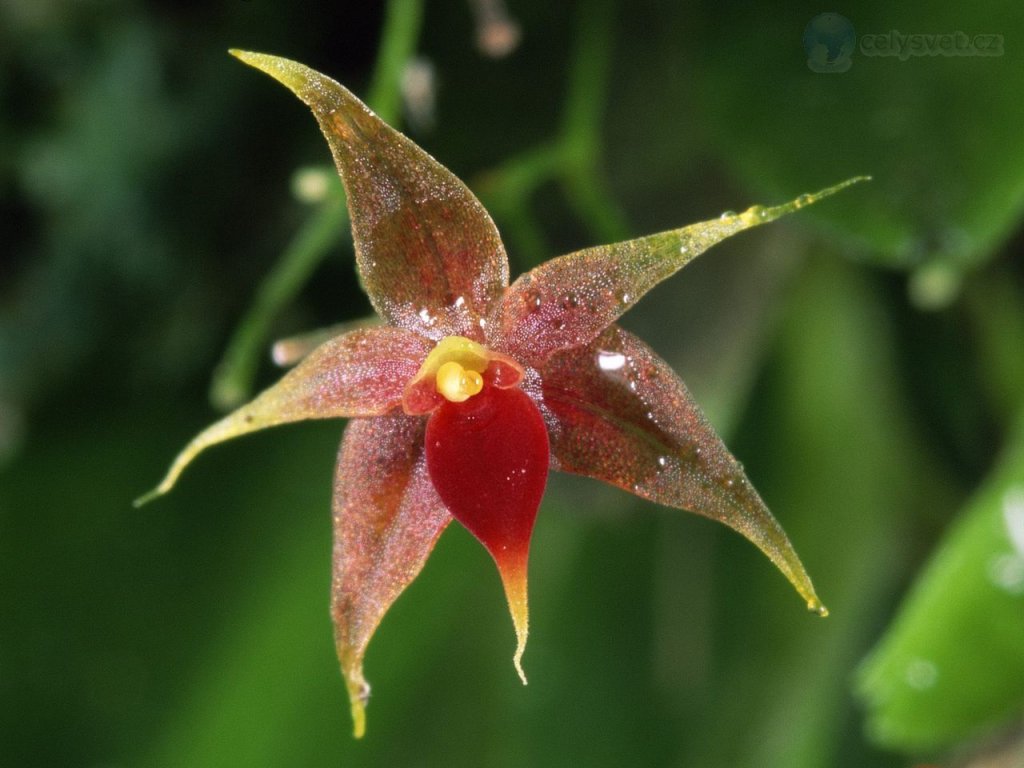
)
(429, 255)
(623, 416)
(387, 517)
(568, 301)
(362, 373)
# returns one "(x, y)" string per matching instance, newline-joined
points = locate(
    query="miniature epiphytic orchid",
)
(473, 388)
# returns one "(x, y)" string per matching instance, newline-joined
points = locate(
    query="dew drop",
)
(684, 249)
(758, 212)
(426, 317)
(533, 301)
(727, 215)
(662, 462)
(803, 200)
(569, 301)
(610, 361)
(459, 302)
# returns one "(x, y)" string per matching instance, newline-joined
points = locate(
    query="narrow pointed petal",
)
(568, 301)
(387, 517)
(488, 458)
(362, 373)
(428, 253)
(624, 417)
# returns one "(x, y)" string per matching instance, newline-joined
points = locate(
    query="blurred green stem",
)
(571, 159)
(995, 305)
(234, 376)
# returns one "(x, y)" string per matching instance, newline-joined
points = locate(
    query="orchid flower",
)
(472, 389)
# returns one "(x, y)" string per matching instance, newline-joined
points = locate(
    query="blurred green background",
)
(864, 359)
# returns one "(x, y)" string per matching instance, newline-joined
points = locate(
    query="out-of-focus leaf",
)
(937, 132)
(837, 460)
(952, 666)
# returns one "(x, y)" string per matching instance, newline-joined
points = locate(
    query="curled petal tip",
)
(357, 700)
(358, 693)
(518, 661)
(513, 577)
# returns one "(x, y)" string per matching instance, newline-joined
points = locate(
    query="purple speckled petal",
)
(622, 416)
(362, 373)
(568, 301)
(387, 517)
(428, 253)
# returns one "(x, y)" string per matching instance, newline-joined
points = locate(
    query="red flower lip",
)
(473, 388)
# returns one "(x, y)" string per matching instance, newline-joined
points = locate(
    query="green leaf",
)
(952, 665)
(937, 132)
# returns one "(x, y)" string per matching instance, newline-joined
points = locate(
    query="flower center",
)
(455, 370)
(458, 384)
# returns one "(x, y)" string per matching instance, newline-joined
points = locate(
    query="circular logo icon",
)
(829, 41)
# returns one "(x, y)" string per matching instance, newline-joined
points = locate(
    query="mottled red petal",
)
(488, 458)
(568, 301)
(624, 417)
(362, 373)
(429, 254)
(387, 517)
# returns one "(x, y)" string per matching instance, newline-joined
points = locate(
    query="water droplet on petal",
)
(610, 361)
(727, 214)
(756, 213)
(533, 301)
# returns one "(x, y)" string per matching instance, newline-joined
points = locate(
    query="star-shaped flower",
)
(474, 388)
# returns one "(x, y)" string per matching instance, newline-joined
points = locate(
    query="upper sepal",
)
(428, 253)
